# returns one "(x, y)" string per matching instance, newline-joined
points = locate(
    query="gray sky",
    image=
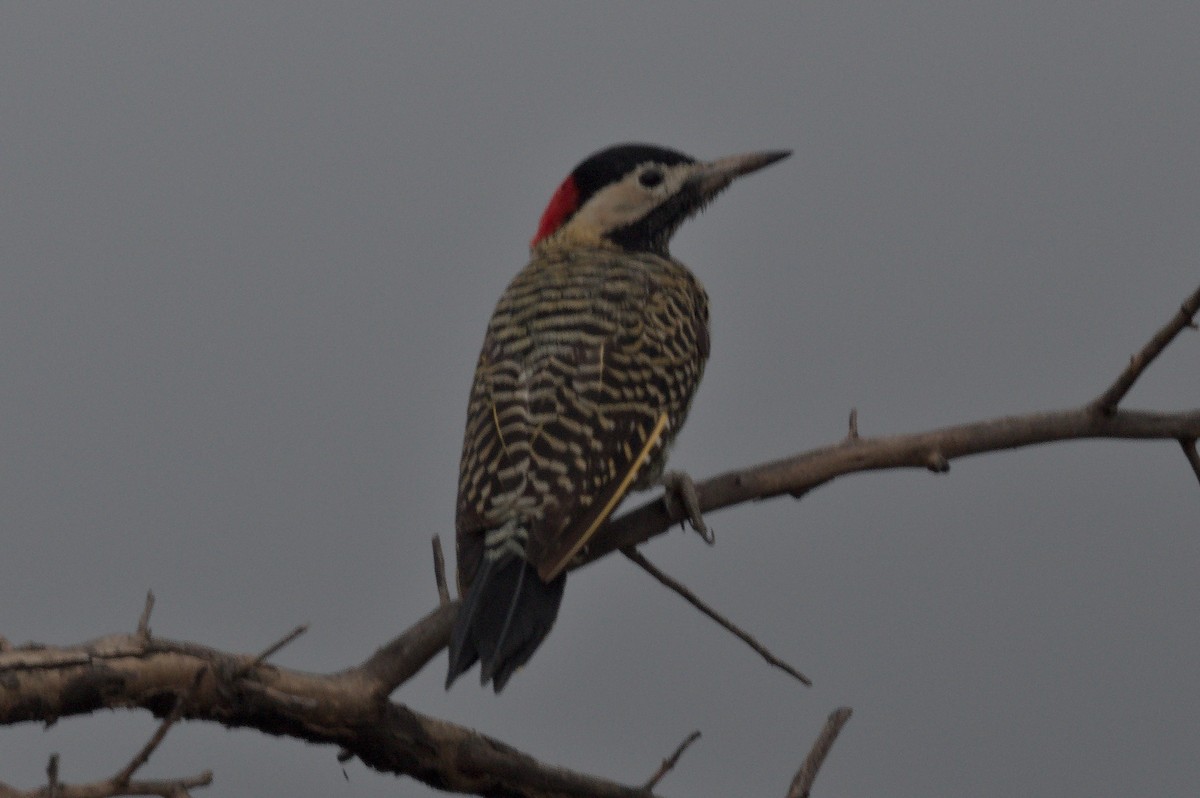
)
(248, 254)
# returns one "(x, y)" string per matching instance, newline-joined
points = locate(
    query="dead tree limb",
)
(342, 709)
(350, 709)
(122, 782)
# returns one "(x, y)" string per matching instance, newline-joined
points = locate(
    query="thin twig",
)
(143, 627)
(636, 556)
(807, 774)
(274, 648)
(52, 777)
(1107, 402)
(852, 434)
(439, 571)
(669, 763)
(123, 775)
(270, 651)
(1189, 451)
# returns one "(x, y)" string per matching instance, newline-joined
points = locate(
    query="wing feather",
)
(587, 371)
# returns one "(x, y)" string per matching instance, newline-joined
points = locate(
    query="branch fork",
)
(350, 708)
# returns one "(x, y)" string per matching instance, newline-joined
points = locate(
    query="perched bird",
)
(587, 371)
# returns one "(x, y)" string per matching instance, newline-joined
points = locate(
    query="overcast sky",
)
(248, 253)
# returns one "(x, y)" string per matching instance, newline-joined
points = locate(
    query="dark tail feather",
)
(506, 615)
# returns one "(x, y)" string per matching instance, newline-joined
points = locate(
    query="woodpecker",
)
(587, 372)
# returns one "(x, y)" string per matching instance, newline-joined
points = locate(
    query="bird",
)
(587, 371)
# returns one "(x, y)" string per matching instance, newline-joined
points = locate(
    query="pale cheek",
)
(609, 217)
(625, 202)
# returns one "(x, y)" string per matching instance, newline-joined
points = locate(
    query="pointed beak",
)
(713, 176)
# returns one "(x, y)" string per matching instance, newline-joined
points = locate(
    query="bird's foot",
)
(681, 499)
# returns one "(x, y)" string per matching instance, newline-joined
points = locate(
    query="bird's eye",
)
(650, 178)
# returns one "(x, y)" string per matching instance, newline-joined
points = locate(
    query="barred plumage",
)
(587, 349)
(587, 372)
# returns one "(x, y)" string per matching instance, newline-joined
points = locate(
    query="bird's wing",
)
(555, 558)
(583, 381)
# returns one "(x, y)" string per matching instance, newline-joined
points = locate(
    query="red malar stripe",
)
(561, 206)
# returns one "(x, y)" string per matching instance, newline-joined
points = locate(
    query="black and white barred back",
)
(587, 372)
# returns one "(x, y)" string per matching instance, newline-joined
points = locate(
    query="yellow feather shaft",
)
(604, 513)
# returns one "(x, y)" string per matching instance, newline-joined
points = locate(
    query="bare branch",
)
(691, 598)
(340, 709)
(439, 571)
(396, 662)
(801, 473)
(933, 450)
(349, 708)
(1107, 402)
(669, 763)
(802, 783)
(121, 783)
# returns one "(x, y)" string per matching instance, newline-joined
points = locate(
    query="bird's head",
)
(635, 196)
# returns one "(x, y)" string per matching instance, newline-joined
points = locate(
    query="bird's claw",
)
(681, 490)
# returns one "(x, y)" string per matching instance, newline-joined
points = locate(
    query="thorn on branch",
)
(1193, 457)
(807, 774)
(439, 571)
(691, 598)
(669, 763)
(936, 462)
(852, 435)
